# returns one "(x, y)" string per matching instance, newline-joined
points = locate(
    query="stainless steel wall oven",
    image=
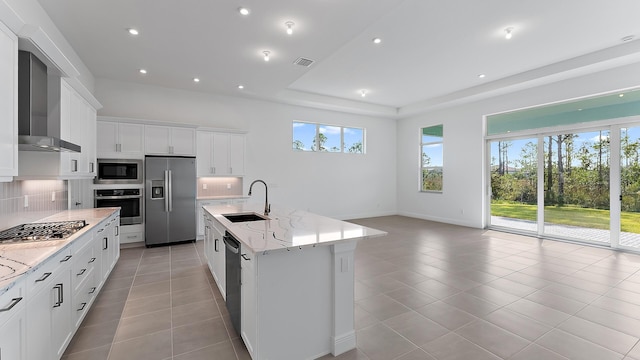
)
(119, 171)
(129, 200)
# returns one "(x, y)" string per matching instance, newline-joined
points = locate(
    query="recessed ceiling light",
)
(508, 33)
(243, 11)
(621, 95)
(142, 71)
(133, 31)
(240, 87)
(196, 80)
(481, 76)
(266, 54)
(376, 40)
(363, 92)
(289, 25)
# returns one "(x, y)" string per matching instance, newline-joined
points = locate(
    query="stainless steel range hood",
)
(34, 131)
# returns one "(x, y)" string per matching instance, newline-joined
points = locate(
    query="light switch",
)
(228, 186)
(26, 201)
(204, 186)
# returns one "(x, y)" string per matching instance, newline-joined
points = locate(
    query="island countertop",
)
(18, 259)
(287, 228)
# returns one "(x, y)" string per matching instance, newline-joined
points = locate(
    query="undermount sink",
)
(244, 217)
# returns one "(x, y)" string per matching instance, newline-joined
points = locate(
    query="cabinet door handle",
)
(117, 230)
(118, 147)
(92, 260)
(106, 243)
(74, 165)
(82, 306)
(90, 167)
(244, 256)
(93, 289)
(13, 303)
(60, 300)
(43, 277)
(215, 245)
(66, 258)
(81, 272)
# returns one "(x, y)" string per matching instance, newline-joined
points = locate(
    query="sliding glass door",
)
(630, 187)
(576, 185)
(514, 199)
(581, 185)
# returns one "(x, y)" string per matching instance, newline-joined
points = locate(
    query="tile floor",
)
(425, 291)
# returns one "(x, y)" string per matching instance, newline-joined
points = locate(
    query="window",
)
(327, 138)
(431, 158)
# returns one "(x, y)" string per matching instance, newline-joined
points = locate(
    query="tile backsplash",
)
(39, 197)
(219, 186)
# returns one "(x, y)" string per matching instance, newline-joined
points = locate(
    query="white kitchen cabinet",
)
(249, 303)
(13, 323)
(8, 104)
(218, 261)
(107, 247)
(201, 212)
(116, 140)
(48, 315)
(220, 154)
(167, 140)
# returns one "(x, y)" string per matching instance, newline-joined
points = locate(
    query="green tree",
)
(298, 145)
(356, 148)
(323, 139)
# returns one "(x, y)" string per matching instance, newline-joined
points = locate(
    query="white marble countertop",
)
(18, 259)
(221, 197)
(288, 228)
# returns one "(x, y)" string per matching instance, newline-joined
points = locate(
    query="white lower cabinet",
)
(214, 252)
(13, 323)
(58, 295)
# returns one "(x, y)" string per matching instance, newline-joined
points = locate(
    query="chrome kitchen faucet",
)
(267, 206)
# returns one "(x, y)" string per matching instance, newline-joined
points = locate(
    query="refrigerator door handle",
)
(170, 192)
(167, 194)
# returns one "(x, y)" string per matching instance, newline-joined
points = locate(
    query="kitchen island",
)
(296, 276)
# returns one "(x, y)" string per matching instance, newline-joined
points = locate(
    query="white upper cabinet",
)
(220, 154)
(167, 140)
(8, 104)
(120, 140)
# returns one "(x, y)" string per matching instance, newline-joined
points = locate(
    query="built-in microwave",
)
(119, 171)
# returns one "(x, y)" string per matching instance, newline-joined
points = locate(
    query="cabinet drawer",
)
(82, 266)
(83, 298)
(130, 237)
(12, 302)
(42, 276)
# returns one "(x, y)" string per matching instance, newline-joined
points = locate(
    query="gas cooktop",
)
(41, 231)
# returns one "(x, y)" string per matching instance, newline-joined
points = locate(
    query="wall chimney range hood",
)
(34, 131)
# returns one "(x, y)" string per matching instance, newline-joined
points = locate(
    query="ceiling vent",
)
(303, 62)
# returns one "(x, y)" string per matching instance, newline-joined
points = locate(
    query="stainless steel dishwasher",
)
(232, 268)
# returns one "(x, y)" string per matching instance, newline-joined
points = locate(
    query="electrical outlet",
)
(53, 196)
(26, 201)
(228, 186)
(204, 186)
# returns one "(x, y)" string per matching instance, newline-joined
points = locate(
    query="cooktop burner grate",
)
(41, 231)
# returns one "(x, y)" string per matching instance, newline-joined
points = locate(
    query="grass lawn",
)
(568, 215)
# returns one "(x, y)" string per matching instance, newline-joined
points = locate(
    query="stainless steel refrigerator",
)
(170, 200)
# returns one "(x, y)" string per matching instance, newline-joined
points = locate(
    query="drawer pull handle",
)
(82, 306)
(43, 277)
(81, 272)
(92, 260)
(106, 243)
(66, 258)
(93, 289)
(60, 300)
(244, 256)
(13, 303)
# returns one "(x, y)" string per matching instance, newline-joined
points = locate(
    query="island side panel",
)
(295, 303)
(343, 337)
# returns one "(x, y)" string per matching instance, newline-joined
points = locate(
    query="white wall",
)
(338, 185)
(462, 200)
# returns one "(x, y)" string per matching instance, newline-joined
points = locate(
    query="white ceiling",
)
(432, 51)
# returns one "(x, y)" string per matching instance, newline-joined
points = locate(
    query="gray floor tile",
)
(152, 346)
(198, 335)
(446, 315)
(382, 307)
(575, 348)
(416, 328)
(379, 342)
(599, 334)
(536, 352)
(518, 324)
(455, 347)
(493, 338)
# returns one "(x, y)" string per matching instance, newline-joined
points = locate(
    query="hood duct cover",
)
(33, 127)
